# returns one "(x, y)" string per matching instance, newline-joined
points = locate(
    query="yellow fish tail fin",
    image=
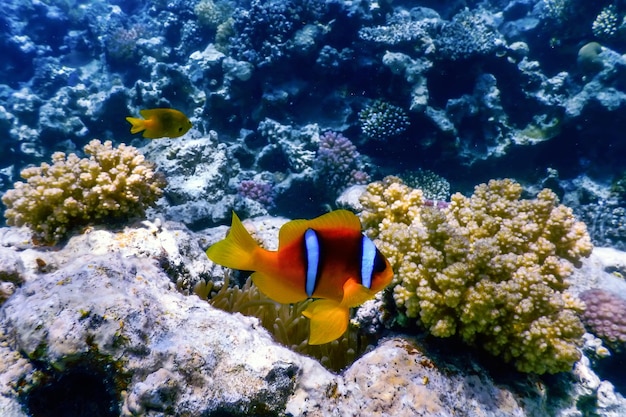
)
(137, 124)
(329, 320)
(237, 250)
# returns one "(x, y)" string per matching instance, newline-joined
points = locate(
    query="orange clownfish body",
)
(327, 258)
(160, 123)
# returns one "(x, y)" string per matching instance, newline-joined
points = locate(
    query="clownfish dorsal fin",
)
(335, 220)
(291, 231)
(295, 229)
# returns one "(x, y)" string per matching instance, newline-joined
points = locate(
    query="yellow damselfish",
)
(160, 123)
(327, 258)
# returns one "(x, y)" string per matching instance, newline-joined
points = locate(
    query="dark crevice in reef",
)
(80, 391)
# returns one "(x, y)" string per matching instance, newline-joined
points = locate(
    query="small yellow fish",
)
(160, 123)
(327, 258)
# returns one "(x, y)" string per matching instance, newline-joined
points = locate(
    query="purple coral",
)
(259, 191)
(338, 163)
(605, 317)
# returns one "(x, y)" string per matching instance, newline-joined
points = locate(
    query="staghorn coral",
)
(284, 321)
(112, 184)
(605, 317)
(490, 268)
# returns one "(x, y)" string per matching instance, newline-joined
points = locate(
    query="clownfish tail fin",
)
(329, 320)
(137, 124)
(237, 250)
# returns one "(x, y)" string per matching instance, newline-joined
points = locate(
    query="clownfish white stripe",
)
(368, 256)
(312, 245)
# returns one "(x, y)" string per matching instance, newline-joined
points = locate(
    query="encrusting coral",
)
(112, 184)
(490, 268)
(285, 322)
(605, 317)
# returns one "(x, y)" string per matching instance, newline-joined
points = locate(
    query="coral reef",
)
(285, 322)
(111, 185)
(434, 187)
(11, 273)
(198, 172)
(468, 34)
(606, 24)
(382, 120)
(490, 88)
(316, 63)
(264, 32)
(211, 14)
(260, 191)
(403, 29)
(605, 317)
(121, 42)
(490, 268)
(105, 320)
(338, 164)
(618, 188)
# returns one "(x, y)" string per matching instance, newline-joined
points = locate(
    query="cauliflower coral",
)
(490, 268)
(112, 184)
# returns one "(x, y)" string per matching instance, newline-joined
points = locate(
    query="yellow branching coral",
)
(112, 184)
(490, 268)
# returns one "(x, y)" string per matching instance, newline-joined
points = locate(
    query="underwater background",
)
(296, 103)
(459, 92)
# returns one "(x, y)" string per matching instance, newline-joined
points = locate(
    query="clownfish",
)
(327, 258)
(160, 123)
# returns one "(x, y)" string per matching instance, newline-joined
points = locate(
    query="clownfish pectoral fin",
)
(355, 294)
(278, 290)
(137, 124)
(237, 250)
(329, 320)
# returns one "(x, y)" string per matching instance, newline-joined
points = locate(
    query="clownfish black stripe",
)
(312, 249)
(368, 259)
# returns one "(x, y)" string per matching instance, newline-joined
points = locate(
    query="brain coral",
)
(490, 268)
(112, 184)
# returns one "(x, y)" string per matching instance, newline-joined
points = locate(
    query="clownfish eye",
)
(180, 129)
